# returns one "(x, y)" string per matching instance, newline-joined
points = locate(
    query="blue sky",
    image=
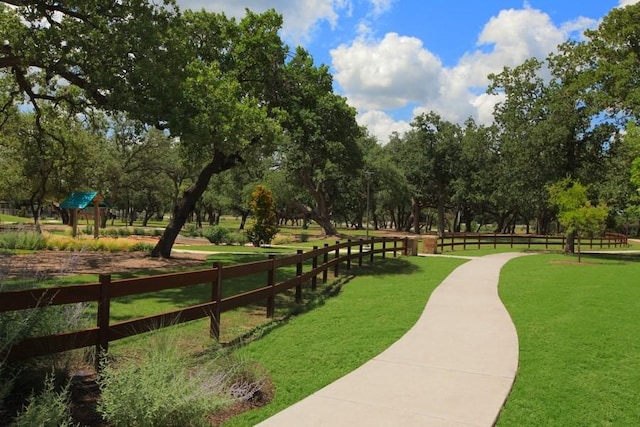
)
(394, 59)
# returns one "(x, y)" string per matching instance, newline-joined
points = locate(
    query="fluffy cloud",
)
(381, 124)
(300, 17)
(624, 3)
(386, 74)
(397, 71)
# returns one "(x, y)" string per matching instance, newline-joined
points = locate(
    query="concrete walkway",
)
(455, 367)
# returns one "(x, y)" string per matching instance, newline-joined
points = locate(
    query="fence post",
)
(478, 240)
(361, 247)
(464, 241)
(325, 260)
(298, 274)
(348, 254)
(546, 241)
(216, 296)
(511, 240)
(103, 317)
(406, 246)
(529, 241)
(271, 281)
(336, 270)
(371, 250)
(395, 247)
(384, 247)
(314, 265)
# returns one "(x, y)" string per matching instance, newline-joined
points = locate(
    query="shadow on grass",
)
(621, 258)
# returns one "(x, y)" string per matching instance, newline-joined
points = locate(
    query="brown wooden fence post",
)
(314, 265)
(103, 317)
(406, 246)
(271, 281)
(371, 250)
(395, 247)
(478, 240)
(216, 295)
(464, 241)
(384, 247)
(495, 240)
(299, 273)
(360, 248)
(348, 254)
(336, 269)
(512, 240)
(325, 260)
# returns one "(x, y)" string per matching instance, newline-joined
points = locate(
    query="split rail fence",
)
(106, 289)
(466, 241)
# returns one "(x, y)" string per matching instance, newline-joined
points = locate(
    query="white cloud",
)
(397, 71)
(381, 125)
(386, 74)
(381, 6)
(624, 3)
(300, 17)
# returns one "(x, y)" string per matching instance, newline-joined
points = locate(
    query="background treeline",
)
(183, 113)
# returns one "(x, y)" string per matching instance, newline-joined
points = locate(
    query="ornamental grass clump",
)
(164, 387)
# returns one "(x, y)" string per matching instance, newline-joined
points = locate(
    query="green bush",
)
(217, 235)
(48, 408)
(191, 230)
(163, 388)
(29, 240)
(43, 320)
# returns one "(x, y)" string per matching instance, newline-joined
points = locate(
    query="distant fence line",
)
(323, 259)
(466, 241)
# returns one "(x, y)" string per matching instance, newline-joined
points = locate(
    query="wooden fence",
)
(106, 289)
(466, 241)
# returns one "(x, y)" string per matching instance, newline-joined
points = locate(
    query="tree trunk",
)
(569, 244)
(416, 215)
(243, 219)
(441, 223)
(187, 203)
(322, 219)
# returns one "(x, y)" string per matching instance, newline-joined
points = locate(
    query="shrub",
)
(304, 237)
(162, 388)
(29, 240)
(49, 408)
(217, 234)
(266, 224)
(191, 230)
(43, 320)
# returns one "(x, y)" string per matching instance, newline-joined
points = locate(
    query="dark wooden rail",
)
(466, 241)
(106, 289)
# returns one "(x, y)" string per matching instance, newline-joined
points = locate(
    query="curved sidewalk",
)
(455, 367)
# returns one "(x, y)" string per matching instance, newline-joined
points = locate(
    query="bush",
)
(43, 320)
(47, 409)
(265, 227)
(191, 230)
(29, 240)
(163, 388)
(217, 235)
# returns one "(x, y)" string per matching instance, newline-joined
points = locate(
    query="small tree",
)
(265, 226)
(576, 213)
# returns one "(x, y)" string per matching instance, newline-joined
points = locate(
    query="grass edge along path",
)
(577, 325)
(373, 311)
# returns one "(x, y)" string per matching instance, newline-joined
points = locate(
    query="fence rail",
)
(106, 289)
(479, 240)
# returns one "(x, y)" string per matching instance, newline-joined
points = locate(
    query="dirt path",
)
(59, 263)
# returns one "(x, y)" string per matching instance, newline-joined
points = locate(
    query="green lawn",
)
(579, 343)
(373, 310)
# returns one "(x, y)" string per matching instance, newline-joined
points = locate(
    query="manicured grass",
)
(579, 344)
(10, 219)
(372, 311)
